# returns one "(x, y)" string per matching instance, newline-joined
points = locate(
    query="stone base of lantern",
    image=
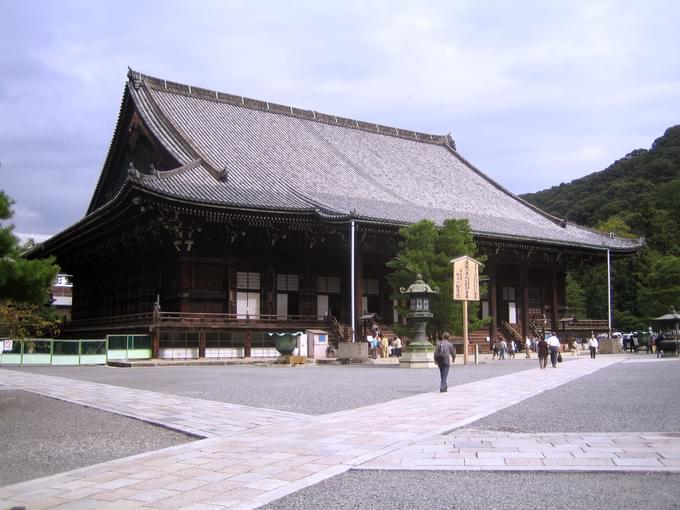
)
(417, 359)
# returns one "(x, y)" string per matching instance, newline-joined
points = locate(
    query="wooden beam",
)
(524, 296)
(493, 301)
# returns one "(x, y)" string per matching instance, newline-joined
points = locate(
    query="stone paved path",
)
(256, 456)
(201, 418)
(469, 449)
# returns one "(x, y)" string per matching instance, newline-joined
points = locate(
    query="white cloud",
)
(534, 92)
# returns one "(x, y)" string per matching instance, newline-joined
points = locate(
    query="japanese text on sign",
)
(465, 279)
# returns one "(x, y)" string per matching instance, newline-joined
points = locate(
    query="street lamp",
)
(418, 352)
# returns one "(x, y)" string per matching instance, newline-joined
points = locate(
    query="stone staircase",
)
(478, 337)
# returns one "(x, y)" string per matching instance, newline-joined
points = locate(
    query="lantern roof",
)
(419, 287)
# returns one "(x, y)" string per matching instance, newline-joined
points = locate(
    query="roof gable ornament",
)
(133, 173)
(450, 141)
(224, 175)
(135, 78)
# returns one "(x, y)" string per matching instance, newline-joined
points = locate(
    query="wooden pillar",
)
(358, 286)
(553, 298)
(156, 331)
(201, 343)
(524, 296)
(493, 302)
(247, 344)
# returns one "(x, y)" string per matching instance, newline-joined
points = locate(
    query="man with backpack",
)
(444, 354)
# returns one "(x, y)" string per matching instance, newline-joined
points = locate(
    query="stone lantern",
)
(419, 353)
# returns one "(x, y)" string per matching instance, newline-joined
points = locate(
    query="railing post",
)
(201, 343)
(156, 331)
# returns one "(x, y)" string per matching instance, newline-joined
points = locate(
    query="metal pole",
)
(352, 283)
(609, 294)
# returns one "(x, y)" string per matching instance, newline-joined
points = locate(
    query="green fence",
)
(126, 347)
(50, 351)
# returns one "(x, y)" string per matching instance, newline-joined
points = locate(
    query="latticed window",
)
(371, 286)
(328, 284)
(248, 280)
(288, 282)
(248, 295)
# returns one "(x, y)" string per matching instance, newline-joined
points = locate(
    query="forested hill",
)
(642, 189)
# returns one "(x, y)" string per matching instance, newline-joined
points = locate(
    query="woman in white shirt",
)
(593, 344)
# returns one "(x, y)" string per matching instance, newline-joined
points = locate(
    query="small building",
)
(218, 218)
(61, 296)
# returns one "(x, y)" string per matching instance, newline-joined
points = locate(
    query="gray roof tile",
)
(282, 158)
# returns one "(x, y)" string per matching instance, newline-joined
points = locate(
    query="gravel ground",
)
(623, 398)
(627, 397)
(438, 490)
(43, 436)
(310, 390)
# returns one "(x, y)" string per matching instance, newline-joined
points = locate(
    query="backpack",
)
(439, 353)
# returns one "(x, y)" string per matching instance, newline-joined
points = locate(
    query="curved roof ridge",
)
(138, 79)
(109, 152)
(555, 219)
(179, 136)
(155, 174)
(562, 222)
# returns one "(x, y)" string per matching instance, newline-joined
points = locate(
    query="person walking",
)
(542, 353)
(502, 349)
(396, 344)
(554, 346)
(527, 347)
(384, 346)
(444, 354)
(593, 344)
(513, 348)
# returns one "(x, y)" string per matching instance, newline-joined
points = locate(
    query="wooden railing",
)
(341, 332)
(132, 318)
(164, 319)
(509, 332)
(190, 317)
(594, 325)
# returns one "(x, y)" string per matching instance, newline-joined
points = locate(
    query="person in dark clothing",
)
(542, 353)
(445, 353)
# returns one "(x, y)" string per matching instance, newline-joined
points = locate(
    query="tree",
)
(661, 288)
(427, 250)
(576, 298)
(616, 225)
(24, 283)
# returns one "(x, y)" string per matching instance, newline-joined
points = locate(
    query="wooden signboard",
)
(465, 279)
(465, 288)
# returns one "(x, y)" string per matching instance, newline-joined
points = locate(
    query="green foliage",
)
(21, 320)
(636, 196)
(616, 225)
(24, 283)
(641, 188)
(427, 250)
(660, 288)
(576, 298)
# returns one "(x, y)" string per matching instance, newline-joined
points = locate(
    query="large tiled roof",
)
(239, 152)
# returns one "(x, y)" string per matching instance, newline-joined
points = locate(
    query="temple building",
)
(219, 219)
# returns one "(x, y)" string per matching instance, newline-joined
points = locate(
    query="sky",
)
(535, 93)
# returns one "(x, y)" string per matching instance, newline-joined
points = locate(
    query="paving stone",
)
(250, 461)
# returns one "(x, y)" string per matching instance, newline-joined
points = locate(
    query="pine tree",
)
(24, 283)
(427, 250)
